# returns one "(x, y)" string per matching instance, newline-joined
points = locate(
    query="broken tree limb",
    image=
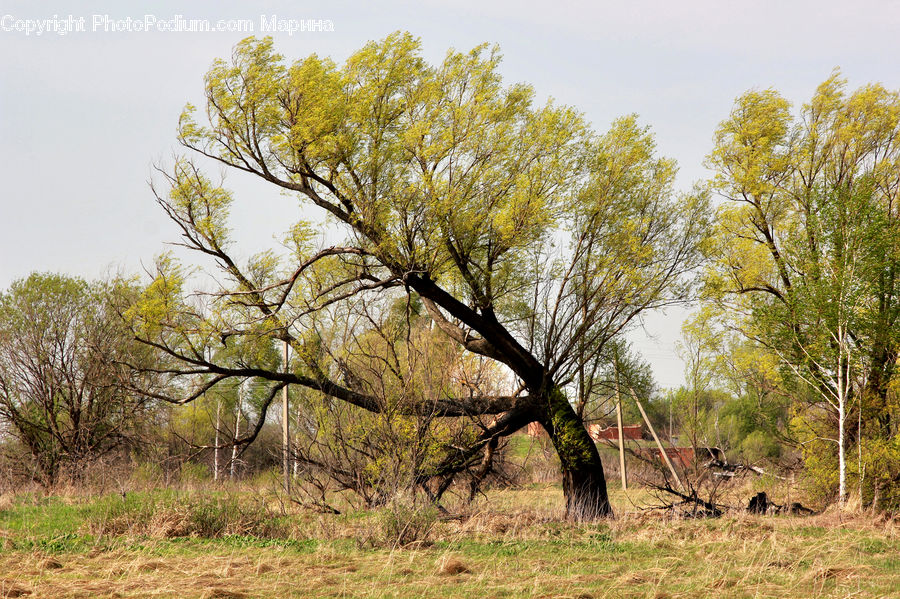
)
(731, 469)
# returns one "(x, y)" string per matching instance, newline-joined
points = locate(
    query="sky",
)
(85, 116)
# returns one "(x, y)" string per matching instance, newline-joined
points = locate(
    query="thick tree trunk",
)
(881, 371)
(584, 483)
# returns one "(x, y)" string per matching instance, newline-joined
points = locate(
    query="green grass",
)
(41, 516)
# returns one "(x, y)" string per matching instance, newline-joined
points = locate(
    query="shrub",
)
(402, 524)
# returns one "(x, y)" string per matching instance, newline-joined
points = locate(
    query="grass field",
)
(511, 544)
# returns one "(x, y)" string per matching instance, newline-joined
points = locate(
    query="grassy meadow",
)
(240, 541)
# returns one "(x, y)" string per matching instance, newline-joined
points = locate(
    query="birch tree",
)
(805, 255)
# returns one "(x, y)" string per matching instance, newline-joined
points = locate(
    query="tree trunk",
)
(584, 483)
(237, 431)
(842, 462)
(880, 373)
(843, 389)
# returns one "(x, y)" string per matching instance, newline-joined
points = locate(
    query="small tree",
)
(64, 393)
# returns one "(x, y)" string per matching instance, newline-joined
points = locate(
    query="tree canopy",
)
(64, 391)
(530, 239)
(807, 249)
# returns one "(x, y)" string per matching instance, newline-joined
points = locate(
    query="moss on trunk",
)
(584, 483)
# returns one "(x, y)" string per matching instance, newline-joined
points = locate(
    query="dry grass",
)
(512, 544)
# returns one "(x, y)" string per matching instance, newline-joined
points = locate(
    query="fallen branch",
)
(733, 469)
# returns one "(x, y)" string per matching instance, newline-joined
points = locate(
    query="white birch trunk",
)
(842, 460)
(843, 388)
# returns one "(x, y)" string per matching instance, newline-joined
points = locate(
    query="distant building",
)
(680, 456)
(598, 432)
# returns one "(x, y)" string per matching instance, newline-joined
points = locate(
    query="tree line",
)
(467, 262)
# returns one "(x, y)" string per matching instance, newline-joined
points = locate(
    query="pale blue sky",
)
(83, 116)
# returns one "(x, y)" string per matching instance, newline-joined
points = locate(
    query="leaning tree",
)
(531, 240)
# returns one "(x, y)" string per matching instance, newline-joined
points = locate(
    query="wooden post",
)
(621, 435)
(659, 444)
(218, 427)
(208, 356)
(237, 430)
(285, 439)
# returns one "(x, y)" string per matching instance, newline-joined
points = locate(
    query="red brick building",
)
(599, 432)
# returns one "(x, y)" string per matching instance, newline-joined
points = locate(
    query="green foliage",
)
(750, 428)
(533, 240)
(160, 302)
(758, 446)
(439, 169)
(804, 259)
(145, 474)
(169, 514)
(67, 392)
(618, 369)
(386, 106)
(881, 472)
(696, 416)
(820, 469)
(192, 473)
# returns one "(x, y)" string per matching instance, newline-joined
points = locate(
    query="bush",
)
(193, 473)
(146, 475)
(402, 524)
(758, 446)
(820, 471)
(881, 473)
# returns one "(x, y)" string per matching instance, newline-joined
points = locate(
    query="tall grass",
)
(184, 514)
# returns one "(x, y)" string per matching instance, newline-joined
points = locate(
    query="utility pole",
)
(670, 421)
(285, 439)
(237, 427)
(218, 426)
(208, 350)
(621, 432)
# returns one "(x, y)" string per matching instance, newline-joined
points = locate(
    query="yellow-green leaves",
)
(798, 182)
(750, 154)
(440, 169)
(300, 239)
(159, 305)
(804, 259)
(314, 106)
(445, 172)
(633, 237)
(242, 104)
(196, 201)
